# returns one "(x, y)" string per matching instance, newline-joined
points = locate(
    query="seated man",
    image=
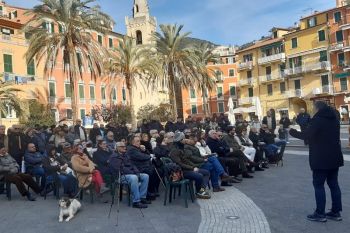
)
(100, 157)
(191, 172)
(110, 141)
(66, 154)
(259, 147)
(119, 162)
(210, 163)
(138, 156)
(274, 150)
(34, 163)
(9, 172)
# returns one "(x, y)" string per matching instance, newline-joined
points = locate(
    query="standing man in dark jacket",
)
(303, 119)
(120, 163)
(325, 157)
(17, 143)
(285, 123)
(94, 132)
(169, 126)
(270, 121)
(80, 131)
(179, 125)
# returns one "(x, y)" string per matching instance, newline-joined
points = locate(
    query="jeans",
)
(214, 167)
(286, 133)
(39, 171)
(319, 178)
(68, 182)
(273, 148)
(138, 191)
(200, 178)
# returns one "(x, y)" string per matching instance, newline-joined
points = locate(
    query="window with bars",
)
(52, 89)
(31, 68)
(81, 91)
(92, 92)
(8, 63)
(68, 91)
(321, 35)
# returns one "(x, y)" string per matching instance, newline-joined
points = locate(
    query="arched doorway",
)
(297, 104)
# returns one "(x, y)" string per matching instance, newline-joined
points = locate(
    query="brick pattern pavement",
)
(232, 202)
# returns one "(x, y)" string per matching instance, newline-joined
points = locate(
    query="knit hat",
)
(179, 136)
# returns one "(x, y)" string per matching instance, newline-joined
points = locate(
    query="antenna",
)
(307, 10)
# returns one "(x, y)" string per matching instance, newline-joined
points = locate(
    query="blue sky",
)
(233, 22)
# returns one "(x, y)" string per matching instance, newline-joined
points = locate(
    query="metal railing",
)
(245, 65)
(297, 93)
(245, 101)
(309, 67)
(246, 82)
(271, 77)
(272, 58)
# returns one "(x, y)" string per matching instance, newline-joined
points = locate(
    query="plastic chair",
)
(123, 183)
(54, 181)
(7, 188)
(170, 186)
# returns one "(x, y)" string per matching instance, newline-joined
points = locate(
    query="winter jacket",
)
(100, 158)
(231, 141)
(242, 141)
(204, 150)
(180, 126)
(83, 167)
(218, 147)
(178, 156)
(4, 140)
(33, 160)
(77, 131)
(111, 144)
(194, 155)
(121, 162)
(140, 159)
(169, 127)
(16, 144)
(268, 138)
(93, 134)
(161, 151)
(52, 165)
(303, 119)
(323, 135)
(273, 122)
(285, 122)
(8, 166)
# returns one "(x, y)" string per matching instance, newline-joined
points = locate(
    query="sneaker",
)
(317, 217)
(145, 201)
(202, 194)
(139, 205)
(238, 178)
(218, 189)
(334, 216)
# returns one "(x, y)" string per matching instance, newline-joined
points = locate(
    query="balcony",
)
(68, 100)
(52, 100)
(82, 101)
(298, 93)
(326, 89)
(248, 65)
(92, 101)
(271, 78)
(344, 24)
(316, 67)
(280, 57)
(336, 47)
(246, 101)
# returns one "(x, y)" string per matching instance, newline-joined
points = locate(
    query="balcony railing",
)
(326, 89)
(271, 77)
(336, 47)
(310, 67)
(246, 82)
(297, 93)
(67, 100)
(92, 101)
(52, 100)
(280, 57)
(82, 101)
(245, 65)
(246, 101)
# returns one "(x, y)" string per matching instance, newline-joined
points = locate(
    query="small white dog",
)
(68, 207)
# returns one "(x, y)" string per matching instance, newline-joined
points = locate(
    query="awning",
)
(342, 75)
(244, 110)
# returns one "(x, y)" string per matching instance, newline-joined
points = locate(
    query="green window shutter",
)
(193, 93)
(8, 63)
(323, 56)
(81, 91)
(250, 92)
(82, 113)
(219, 91)
(114, 94)
(52, 89)
(124, 94)
(103, 93)
(341, 59)
(343, 84)
(321, 35)
(337, 17)
(339, 36)
(232, 73)
(194, 109)
(221, 107)
(52, 27)
(31, 68)
(294, 43)
(92, 92)
(99, 38)
(232, 90)
(80, 63)
(43, 25)
(68, 91)
(283, 87)
(60, 28)
(110, 40)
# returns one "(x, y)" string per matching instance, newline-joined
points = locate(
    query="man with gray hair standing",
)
(325, 157)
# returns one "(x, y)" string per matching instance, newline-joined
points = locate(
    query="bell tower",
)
(141, 25)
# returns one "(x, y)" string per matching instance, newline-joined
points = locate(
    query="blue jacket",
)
(141, 160)
(33, 159)
(101, 159)
(303, 120)
(121, 162)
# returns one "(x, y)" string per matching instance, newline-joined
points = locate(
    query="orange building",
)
(53, 87)
(226, 87)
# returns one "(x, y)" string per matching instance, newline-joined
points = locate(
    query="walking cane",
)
(160, 178)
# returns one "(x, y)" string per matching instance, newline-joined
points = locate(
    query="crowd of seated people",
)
(211, 153)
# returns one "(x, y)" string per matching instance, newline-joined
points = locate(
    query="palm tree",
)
(8, 97)
(177, 60)
(205, 55)
(75, 19)
(136, 64)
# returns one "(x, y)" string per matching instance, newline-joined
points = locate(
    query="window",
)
(247, 57)
(103, 93)
(341, 59)
(68, 91)
(321, 35)
(275, 34)
(138, 37)
(297, 84)
(231, 72)
(92, 92)
(193, 93)
(324, 80)
(110, 42)
(250, 92)
(99, 39)
(81, 91)
(8, 63)
(124, 94)
(50, 27)
(337, 17)
(114, 94)
(219, 92)
(283, 87)
(194, 109)
(52, 89)
(249, 74)
(339, 36)
(82, 113)
(31, 68)
(323, 56)
(60, 28)
(269, 89)
(268, 73)
(230, 60)
(80, 63)
(343, 84)
(295, 62)
(221, 107)
(294, 43)
(69, 114)
(312, 22)
(232, 91)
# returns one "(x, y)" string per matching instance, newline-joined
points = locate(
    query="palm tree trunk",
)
(205, 109)
(131, 101)
(172, 97)
(73, 98)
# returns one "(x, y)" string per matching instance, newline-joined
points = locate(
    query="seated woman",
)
(55, 166)
(244, 141)
(202, 145)
(9, 171)
(145, 141)
(85, 170)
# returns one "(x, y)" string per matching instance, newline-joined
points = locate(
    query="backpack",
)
(174, 172)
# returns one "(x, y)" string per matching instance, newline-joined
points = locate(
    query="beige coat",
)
(83, 168)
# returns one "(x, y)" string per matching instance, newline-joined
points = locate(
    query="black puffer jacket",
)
(323, 134)
(140, 159)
